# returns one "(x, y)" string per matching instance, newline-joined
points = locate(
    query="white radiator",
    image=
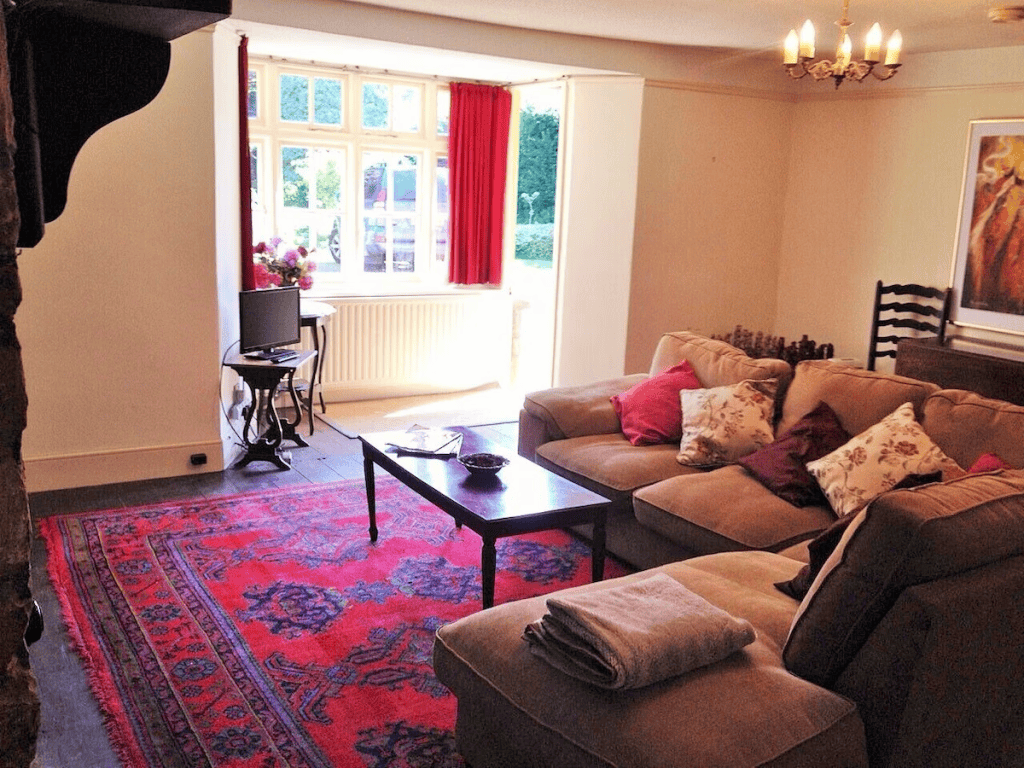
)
(395, 346)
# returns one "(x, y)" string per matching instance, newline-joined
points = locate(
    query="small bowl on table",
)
(483, 464)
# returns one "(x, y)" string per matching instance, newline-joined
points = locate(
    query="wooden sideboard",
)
(990, 369)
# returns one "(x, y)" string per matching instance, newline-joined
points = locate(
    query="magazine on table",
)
(428, 441)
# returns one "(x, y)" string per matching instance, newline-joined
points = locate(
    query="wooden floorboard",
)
(72, 732)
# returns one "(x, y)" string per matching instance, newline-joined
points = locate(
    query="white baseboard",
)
(76, 471)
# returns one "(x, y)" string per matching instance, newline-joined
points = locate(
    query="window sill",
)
(328, 292)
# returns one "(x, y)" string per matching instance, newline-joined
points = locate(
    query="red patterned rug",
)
(265, 630)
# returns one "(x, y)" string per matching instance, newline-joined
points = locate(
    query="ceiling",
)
(752, 25)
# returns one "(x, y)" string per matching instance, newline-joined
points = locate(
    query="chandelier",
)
(799, 54)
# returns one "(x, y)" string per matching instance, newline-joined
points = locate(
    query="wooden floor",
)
(72, 733)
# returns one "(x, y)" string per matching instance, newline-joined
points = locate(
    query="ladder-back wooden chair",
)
(927, 310)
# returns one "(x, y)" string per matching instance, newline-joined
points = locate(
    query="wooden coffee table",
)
(522, 498)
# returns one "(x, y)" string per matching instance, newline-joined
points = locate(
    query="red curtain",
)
(245, 180)
(477, 150)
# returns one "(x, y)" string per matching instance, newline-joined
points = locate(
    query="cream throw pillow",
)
(721, 424)
(877, 459)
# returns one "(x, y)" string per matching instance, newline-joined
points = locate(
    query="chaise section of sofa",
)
(516, 710)
(905, 652)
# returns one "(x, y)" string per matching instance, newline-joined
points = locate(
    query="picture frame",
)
(987, 273)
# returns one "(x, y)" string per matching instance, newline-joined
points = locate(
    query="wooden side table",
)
(314, 316)
(263, 378)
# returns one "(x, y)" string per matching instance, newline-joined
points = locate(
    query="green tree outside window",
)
(294, 167)
(295, 98)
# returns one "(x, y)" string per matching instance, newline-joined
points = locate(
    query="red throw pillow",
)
(988, 462)
(650, 412)
(781, 467)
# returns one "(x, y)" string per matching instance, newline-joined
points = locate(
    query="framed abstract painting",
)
(988, 264)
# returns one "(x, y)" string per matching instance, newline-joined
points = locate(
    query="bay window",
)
(354, 166)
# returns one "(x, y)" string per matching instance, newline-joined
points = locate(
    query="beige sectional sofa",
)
(905, 650)
(664, 511)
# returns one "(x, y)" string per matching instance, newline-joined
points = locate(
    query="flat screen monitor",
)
(269, 318)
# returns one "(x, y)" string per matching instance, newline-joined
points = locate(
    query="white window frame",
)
(271, 133)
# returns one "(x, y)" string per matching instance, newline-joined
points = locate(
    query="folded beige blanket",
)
(634, 634)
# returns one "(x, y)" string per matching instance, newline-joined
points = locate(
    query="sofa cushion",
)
(966, 425)
(877, 459)
(903, 538)
(649, 411)
(821, 547)
(722, 424)
(610, 462)
(715, 362)
(725, 510)
(582, 410)
(781, 466)
(514, 709)
(859, 398)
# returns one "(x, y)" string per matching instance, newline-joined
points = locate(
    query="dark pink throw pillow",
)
(988, 462)
(650, 412)
(782, 466)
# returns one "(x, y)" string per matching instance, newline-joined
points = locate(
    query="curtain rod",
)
(356, 69)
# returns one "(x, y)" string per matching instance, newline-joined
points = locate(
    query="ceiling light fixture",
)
(799, 53)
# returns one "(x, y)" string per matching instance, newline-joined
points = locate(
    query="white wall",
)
(598, 205)
(713, 166)
(119, 323)
(874, 186)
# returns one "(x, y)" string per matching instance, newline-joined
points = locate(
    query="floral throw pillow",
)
(721, 424)
(877, 459)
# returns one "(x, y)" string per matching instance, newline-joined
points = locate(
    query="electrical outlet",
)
(238, 395)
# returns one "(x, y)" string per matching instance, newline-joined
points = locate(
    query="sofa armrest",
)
(939, 682)
(564, 412)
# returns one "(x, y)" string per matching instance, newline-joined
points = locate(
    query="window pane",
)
(406, 181)
(376, 106)
(328, 243)
(330, 174)
(442, 185)
(407, 109)
(295, 98)
(326, 101)
(375, 245)
(254, 176)
(441, 239)
(375, 183)
(253, 97)
(403, 235)
(444, 108)
(441, 206)
(294, 230)
(294, 181)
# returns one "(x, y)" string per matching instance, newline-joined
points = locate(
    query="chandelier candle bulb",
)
(873, 44)
(844, 53)
(792, 48)
(892, 53)
(807, 40)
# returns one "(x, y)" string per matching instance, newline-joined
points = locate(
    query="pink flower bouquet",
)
(293, 267)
